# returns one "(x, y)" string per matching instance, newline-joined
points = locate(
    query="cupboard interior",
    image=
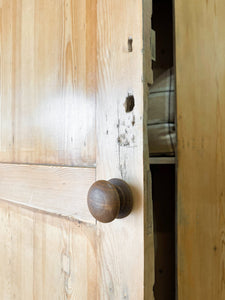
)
(163, 169)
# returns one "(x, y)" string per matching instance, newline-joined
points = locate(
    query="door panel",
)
(45, 257)
(200, 73)
(48, 82)
(69, 70)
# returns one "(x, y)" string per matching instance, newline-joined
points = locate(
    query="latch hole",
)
(130, 44)
(129, 103)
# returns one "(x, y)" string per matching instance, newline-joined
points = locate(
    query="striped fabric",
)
(161, 116)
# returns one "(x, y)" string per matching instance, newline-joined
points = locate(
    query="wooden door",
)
(67, 68)
(200, 73)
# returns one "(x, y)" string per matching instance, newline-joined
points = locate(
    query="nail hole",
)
(129, 103)
(130, 44)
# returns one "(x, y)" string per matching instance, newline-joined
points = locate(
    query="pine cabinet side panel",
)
(200, 78)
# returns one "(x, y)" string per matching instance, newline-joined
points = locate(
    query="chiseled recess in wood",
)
(45, 257)
(123, 244)
(48, 81)
(200, 73)
(59, 190)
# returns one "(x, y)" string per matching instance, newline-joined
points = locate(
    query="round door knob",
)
(108, 200)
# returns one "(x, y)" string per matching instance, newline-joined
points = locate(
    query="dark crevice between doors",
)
(163, 176)
(163, 194)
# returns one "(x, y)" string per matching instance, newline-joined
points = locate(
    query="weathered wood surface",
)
(49, 54)
(59, 190)
(48, 82)
(200, 70)
(125, 249)
(45, 257)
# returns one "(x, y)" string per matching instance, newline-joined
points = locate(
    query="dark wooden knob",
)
(108, 200)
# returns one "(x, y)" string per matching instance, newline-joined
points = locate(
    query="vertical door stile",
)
(125, 246)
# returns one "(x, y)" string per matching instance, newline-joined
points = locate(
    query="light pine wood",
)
(125, 248)
(48, 82)
(45, 257)
(200, 76)
(59, 190)
(58, 60)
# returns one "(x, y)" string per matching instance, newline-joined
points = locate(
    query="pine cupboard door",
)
(200, 73)
(73, 78)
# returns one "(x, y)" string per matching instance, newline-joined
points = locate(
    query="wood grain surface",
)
(45, 257)
(103, 201)
(200, 73)
(125, 248)
(59, 190)
(48, 82)
(58, 60)
(110, 200)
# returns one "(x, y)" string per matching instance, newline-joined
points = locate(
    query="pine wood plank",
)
(48, 82)
(45, 257)
(58, 190)
(125, 249)
(200, 65)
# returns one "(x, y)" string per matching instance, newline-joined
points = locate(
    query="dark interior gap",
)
(163, 194)
(163, 176)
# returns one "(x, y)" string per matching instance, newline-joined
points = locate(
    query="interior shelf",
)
(162, 160)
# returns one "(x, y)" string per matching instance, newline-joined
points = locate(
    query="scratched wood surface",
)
(45, 257)
(49, 54)
(125, 248)
(200, 69)
(48, 82)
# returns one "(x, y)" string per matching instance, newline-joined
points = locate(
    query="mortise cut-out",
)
(130, 44)
(129, 103)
